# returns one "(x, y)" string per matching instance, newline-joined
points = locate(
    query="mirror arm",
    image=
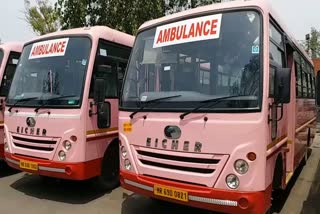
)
(281, 115)
(269, 117)
(1, 105)
(91, 113)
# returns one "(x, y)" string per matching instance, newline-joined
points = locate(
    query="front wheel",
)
(110, 169)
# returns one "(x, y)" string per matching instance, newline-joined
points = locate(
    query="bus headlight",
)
(6, 147)
(62, 155)
(241, 166)
(67, 145)
(232, 181)
(127, 164)
(124, 151)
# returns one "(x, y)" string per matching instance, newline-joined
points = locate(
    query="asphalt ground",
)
(31, 194)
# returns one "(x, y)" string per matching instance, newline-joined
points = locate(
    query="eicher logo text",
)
(173, 145)
(31, 131)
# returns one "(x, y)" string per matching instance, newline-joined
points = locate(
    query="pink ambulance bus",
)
(9, 55)
(217, 108)
(62, 108)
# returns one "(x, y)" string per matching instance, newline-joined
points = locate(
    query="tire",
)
(3, 164)
(308, 151)
(277, 200)
(277, 195)
(270, 211)
(110, 169)
(305, 158)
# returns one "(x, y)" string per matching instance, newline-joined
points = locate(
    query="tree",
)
(123, 15)
(42, 17)
(173, 6)
(72, 13)
(314, 43)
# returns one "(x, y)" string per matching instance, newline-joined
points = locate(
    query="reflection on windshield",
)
(198, 69)
(55, 72)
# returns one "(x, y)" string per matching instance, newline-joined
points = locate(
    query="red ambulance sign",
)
(191, 30)
(50, 48)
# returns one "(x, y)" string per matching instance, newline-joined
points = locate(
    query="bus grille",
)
(194, 164)
(34, 144)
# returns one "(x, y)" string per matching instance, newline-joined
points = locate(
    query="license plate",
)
(169, 192)
(28, 165)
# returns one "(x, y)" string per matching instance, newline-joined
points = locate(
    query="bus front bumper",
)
(226, 201)
(71, 171)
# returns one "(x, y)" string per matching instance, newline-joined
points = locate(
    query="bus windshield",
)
(198, 58)
(52, 70)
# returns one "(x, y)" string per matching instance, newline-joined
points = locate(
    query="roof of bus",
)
(12, 46)
(237, 4)
(102, 32)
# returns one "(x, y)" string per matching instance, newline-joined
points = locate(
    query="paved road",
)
(31, 194)
(312, 203)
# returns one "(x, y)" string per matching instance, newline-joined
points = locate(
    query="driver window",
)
(110, 64)
(276, 55)
(9, 73)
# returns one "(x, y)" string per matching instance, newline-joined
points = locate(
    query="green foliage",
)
(314, 44)
(174, 6)
(72, 13)
(123, 15)
(41, 17)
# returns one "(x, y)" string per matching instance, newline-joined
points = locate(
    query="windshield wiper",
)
(214, 101)
(22, 100)
(54, 98)
(152, 101)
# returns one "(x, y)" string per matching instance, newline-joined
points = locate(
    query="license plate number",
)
(169, 192)
(28, 165)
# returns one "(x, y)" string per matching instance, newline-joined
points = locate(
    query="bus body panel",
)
(7, 49)
(89, 143)
(98, 140)
(211, 135)
(22, 135)
(305, 128)
(151, 160)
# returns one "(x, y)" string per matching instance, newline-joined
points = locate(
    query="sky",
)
(298, 16)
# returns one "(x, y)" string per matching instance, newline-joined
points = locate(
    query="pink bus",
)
(62, 108)
(217, 108)
(9, 55)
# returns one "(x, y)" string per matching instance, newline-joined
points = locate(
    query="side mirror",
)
(282, 85)
(99, 90)
(104, 115)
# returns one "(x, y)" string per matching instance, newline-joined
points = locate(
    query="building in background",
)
(316, 63)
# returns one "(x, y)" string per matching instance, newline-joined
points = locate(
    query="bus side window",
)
(298, 73)
(110, 64)
(310, 82)
(105, 68)
(9, 73)
(314, 87)
(276, 55)
(121, 71)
